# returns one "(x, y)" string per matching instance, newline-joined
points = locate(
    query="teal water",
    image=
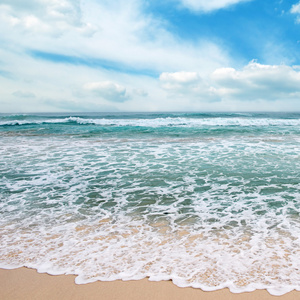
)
(165, 196)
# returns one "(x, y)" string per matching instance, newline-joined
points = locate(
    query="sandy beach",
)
(26, 284)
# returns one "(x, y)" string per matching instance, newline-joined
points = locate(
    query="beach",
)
(26, 284)
(149, 150)
(207, 201)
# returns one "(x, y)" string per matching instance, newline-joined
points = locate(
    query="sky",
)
(149, 55)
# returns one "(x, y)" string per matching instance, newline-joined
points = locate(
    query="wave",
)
(157, 122)
(18, 122)
(205, 215)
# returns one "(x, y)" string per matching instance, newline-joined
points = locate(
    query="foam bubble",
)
(210, 214)
(107, 250)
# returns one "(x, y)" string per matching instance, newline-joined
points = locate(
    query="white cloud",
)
(52, 17)
(23, 94)
(255, 82)
(188, 84)
(180, 77)
(118, 31)
(122, 32)
(209, 5)
(296, 10)
(108, 90)
(258, 82)
(140, 92)
(179, 80)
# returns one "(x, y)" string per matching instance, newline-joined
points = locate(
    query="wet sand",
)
(27, 284)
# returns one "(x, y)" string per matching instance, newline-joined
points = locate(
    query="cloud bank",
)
(254, 82)
(258, 82)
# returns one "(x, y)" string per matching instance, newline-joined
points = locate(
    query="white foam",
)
(164, 122)
(203, 222)
(109, 251)
(189, 122)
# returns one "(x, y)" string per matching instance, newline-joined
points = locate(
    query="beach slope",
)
(26, 284)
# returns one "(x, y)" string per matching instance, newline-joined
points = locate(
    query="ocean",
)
(207, 200)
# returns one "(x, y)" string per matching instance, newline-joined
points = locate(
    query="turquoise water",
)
(207, 200)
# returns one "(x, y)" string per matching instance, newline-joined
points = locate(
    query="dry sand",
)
(27, 284)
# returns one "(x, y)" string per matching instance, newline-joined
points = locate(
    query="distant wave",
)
(157, 122)
(32, 122)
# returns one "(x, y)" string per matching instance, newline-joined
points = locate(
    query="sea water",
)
(205, 200)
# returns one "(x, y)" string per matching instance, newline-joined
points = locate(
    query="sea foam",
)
(208, 213)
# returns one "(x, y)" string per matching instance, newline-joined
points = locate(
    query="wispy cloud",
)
(188, 84)
(295, 9)
(209, 6)
(24, 94)
(108, 90)
(121, 55)
(5, 74)
(91, 62)
(45, 17)
(124, 33)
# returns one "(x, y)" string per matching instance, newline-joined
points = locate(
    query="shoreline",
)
(25, 284)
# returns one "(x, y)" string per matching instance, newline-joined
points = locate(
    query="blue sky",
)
(134, 55)
(244, 30)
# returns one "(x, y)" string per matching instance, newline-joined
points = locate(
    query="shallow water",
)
(207, 200)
